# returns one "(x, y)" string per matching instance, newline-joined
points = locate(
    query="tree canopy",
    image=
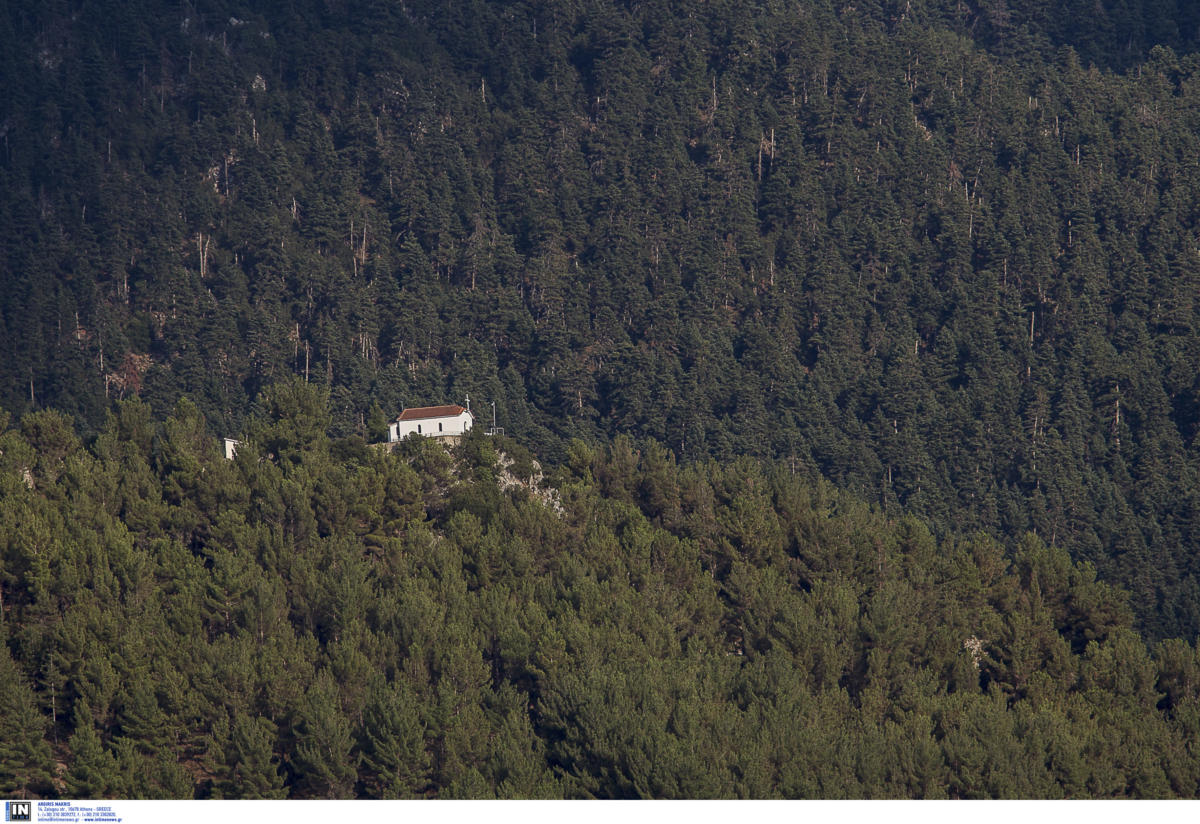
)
(340, 621)
(811, 310)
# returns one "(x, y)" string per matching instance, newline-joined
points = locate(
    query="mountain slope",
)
(950, 269)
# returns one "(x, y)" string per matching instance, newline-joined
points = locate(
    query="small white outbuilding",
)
(431, 422)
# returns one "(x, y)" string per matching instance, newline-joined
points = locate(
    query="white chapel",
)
(431, 422)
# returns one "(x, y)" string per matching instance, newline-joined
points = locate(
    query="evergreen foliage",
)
(863, 336)
(295, 624)
(943, 255)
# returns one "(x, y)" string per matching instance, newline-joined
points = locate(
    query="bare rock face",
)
(533, 484)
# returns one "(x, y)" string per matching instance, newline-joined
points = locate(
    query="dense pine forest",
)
(317, 618)
(859, 343)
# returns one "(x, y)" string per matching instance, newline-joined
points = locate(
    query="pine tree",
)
(395, 761)
(252, 767)
(92, 771)
(325, 754)
(25, 762)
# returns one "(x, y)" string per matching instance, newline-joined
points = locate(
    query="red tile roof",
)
(422, 412)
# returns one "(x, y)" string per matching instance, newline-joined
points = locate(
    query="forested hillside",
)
(317, 619)
(942, 255)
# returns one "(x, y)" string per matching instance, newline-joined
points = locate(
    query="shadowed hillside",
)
(923, 253)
